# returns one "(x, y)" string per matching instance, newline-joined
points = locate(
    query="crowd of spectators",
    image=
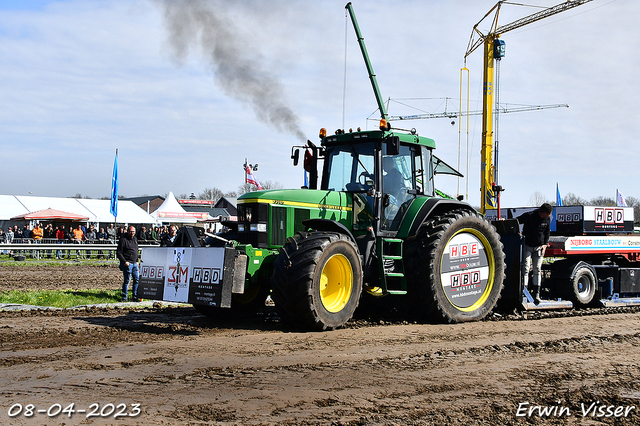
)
(80, 233)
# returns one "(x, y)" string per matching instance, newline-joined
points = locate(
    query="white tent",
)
(128, 211)
(170, 211)
(10, 207)
(95, 210)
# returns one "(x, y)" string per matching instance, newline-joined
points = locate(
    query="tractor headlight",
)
(258, 227)
(241, 227)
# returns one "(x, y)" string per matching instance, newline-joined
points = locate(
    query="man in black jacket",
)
(537, 225)
(127, 253)
(170, 238)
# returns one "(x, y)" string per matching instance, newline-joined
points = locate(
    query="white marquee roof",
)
(96, 210)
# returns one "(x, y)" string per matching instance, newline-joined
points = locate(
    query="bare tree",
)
(571, 199)
(635, 203)
(213, 194)
(537, 199)
(602, 201)
(267, 184)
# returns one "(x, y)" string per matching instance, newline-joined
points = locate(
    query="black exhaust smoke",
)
(236, 63)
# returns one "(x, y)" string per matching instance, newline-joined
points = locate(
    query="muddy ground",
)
(182, 368)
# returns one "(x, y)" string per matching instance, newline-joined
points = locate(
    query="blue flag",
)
(114, 188)
(558, 198)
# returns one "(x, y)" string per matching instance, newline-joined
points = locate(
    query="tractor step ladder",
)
(393, 274)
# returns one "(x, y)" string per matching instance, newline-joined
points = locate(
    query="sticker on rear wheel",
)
(465, 271)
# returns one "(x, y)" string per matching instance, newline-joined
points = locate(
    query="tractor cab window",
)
(349, 167)
(424, 167)
(398, 177)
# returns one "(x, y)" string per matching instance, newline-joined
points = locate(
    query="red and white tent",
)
(51, 214)
(172, 212)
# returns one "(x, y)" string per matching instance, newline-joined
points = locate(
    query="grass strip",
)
(9, 261)
(60, 298)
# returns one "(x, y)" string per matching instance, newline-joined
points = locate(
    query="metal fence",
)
(52, 249)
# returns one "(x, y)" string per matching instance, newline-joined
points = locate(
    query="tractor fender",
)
(365, 244)
(328, 225)
(433, 206)
(580, 265)
(567, 269)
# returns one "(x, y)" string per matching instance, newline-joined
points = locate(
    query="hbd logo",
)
(206, 275)
(463, 250)
(609, 216)
(466, 278)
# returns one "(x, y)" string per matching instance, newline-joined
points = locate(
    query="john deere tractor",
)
(371, 226)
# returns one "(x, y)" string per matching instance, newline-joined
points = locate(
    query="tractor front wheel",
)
(317, 280)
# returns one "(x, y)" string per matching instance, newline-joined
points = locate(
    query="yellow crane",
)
(494, 49)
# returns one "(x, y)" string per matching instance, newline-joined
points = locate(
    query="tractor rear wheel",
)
(317, 280)
(456, 268)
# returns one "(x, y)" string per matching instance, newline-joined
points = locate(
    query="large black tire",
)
(583, 287)
(317, 280)
(456, 268)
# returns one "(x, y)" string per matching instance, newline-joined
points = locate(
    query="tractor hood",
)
(305, 198)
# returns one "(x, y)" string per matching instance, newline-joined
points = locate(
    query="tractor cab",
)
(384, 170)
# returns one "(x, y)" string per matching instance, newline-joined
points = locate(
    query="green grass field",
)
(58, 298)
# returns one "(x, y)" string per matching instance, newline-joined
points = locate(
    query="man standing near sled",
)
(537, 226)
(127, 253)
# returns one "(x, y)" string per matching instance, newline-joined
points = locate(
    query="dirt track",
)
(182, 369)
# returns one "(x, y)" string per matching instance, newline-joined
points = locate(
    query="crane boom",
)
(445, 114)
(497, 31)
(494, 50)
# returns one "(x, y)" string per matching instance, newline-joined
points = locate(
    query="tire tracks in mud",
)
(404, 374)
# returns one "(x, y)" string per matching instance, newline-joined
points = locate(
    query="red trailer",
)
(593, 259)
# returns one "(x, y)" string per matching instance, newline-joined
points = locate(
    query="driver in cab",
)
(393, 181)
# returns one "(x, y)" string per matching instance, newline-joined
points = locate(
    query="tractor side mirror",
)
(295, 157)
(393, 145)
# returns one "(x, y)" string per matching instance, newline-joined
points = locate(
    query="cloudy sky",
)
(187, 90)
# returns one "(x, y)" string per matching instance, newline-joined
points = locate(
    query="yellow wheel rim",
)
(336, 283)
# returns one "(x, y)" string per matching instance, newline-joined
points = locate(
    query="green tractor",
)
(372, 228)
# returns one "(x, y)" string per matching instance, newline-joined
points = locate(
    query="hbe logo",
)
(463, 250)
(152, 272)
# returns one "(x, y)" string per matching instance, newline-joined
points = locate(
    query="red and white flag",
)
(252, 179)
(620, 201)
